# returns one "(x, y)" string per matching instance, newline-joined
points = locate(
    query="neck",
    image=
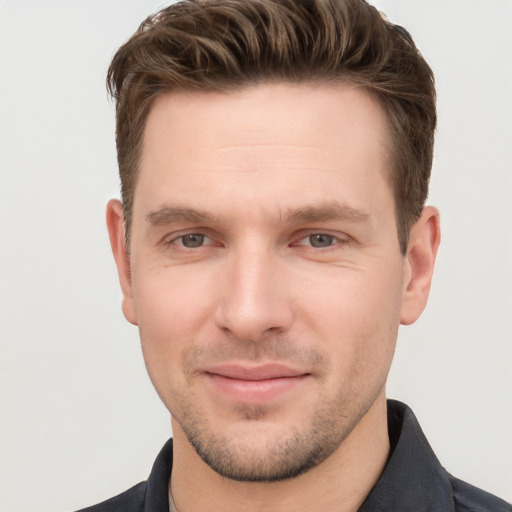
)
(340, 483)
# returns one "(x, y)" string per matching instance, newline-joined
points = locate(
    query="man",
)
(274, 160)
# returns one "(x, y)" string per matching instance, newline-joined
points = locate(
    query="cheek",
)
(172, 313)
(171, 300)
(357, 315)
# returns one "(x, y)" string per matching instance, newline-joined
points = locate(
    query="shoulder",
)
(152, 494)
(468, 498)
(131, 500)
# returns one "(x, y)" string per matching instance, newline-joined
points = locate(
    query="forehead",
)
(307, 140)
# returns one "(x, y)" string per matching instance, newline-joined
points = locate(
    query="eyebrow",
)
(169, 215)
(323, 213)
(327, 212)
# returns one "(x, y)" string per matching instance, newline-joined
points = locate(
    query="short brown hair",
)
(219, 45)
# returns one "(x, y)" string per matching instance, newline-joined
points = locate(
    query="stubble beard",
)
(247, 454)
(279, 458)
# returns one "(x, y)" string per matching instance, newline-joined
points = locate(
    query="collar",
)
(413, 478)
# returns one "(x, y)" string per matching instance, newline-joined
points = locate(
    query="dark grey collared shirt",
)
(412, 481)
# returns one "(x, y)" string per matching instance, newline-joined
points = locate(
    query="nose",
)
(255, 298)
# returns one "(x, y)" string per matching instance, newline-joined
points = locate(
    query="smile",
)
(254, 385)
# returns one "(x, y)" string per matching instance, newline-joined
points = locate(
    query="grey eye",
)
(192, 240)
(321, 240)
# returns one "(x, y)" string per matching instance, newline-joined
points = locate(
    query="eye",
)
(321, 240)
(192, 240)
(318, 240)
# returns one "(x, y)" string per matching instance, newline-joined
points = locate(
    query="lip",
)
(254, 384)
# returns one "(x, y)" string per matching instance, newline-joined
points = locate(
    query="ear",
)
(116, 233)
(419, 264)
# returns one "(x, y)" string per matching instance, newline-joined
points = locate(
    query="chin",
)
(255, 449)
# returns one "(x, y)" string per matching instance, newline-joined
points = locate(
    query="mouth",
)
(254, 384)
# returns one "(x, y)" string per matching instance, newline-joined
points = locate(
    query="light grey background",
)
(79, 420)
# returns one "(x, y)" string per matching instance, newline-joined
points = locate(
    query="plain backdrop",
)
(79, 420)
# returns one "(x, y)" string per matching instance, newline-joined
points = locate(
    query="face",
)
(265, 272)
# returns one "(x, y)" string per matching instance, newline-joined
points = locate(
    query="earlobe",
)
(116, 232)
(421, 254)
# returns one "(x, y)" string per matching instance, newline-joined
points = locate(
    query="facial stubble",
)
(280, 457)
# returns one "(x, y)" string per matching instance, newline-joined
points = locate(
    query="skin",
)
(264, 234)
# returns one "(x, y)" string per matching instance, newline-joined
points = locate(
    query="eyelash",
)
(335, 240)
(176, 240)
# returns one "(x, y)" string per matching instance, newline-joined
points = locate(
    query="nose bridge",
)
(254, 300)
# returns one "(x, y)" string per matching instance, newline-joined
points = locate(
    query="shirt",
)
(412, 481)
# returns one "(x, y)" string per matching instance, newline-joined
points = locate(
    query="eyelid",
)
(299, 239)
(339, 238)
(171, 239)
(205, 239)
(191, 233)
